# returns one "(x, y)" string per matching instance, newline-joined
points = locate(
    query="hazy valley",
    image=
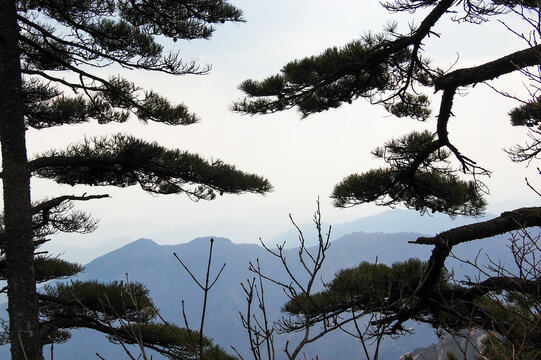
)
(155, 266)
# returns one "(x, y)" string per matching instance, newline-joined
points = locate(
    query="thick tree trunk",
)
(22, 298)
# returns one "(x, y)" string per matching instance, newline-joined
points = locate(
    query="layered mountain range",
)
(169, 283)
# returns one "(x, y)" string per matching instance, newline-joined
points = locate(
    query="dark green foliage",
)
(46, 106)
(106, 299)
(56, 336)
(367, 288)
(57, 215)
(338, 75)
(61, 48)
(518, 314)
(416, 106)
(422, 173)
(124, 311)
(393, 294)
(421, 182)
(123, 161)
(173, 341)
(429, 192)
(530, 4)
(50, 217)
(96, 34)
(387, 69)
(47, 269)
(117, 31)
(528, 114)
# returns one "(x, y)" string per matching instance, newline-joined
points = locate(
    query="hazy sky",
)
(302, 159)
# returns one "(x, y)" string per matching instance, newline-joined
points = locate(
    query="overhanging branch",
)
(507, 221)
(488, 71)
(49, 204)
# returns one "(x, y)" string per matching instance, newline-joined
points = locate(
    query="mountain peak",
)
(206, 240)
(141, 243)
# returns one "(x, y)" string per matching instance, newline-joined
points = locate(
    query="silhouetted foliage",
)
(425, 171)
(43, 41)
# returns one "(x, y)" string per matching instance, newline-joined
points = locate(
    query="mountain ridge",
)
(390, 221)
(154, 265)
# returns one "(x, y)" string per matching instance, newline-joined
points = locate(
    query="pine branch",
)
(123, 161)
(507, 221)
(49, 204)
(488, 71)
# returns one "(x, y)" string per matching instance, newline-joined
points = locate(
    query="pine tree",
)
(121, 310)
(425, 170)
(39, 42)
(390, 69)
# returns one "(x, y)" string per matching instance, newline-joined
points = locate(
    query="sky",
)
(303, 159)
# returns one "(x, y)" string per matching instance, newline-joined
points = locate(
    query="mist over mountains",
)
(390, 221)
(155, 266)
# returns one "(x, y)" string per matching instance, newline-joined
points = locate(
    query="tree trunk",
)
(22, 298)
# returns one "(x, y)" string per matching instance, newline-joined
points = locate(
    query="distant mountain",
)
(154, 265)
(390, 221)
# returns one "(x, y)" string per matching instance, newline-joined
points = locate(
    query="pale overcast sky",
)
(302, 159)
